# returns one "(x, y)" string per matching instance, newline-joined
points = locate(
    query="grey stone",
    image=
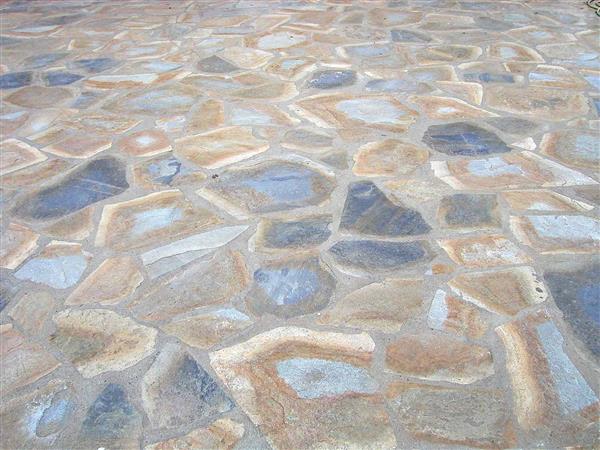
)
(470, 211)
(214, 64)
(372, 256)
(15, 80)
(329, 79)
(60, 78)
(300, 233)
(409, 36)
(463, 139)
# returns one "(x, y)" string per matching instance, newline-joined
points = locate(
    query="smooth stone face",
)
(463, 139)
(99, 340)
(543, 200)
(38, 97)
(389, 157)
(220, 434)
(171, 99)
(368, 211)
(111, 420)
(32, 310)
(448, 313)
(87, 184)
(214, 64)
(513, 125)
(302, 139)
(409, 36)
(43, 60)
(393, 85)
(367, 256)
(146, 143)
(574, 148)
(17, 155)
(301, 233)
(329, 79)
(177, 391)
(446, 108)
(279, 40)
(95, 65)
(15, 80)
(577, 294)
(484, 251)
(59, 78)
(17, 242)
(469, 211)
(486, 77)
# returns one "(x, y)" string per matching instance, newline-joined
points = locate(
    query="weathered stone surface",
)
(17, 155)
(446, 108)
(17, 243)
(38, 97)
(271, 186)
(61, 78)
(145, 143)
(222, 434)
(388, 158)
(574, 148)
(33, 310)
(382, 306)
(448, 313)
(113, 281)
(214, 64)
(291, 233)
(319, 379)
(246, 58)
(469, 212)
(307, 140)
(465, 139)
(177, 391)
(80, 145)
(330, 79)
(542, 200)
(74, 227)
(15, 80)
(439, 358)
(99, 340)
(484, 251)
(23, 362)
(171, 99)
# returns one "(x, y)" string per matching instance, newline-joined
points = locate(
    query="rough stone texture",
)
(222, 434)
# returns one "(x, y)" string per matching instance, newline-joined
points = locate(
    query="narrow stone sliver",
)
(299, 224)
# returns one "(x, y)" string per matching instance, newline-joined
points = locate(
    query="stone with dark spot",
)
(463, 139)
(93, 182)
(15, 80)
(214, 64)
(577, 294)
(329, 79)
(60, 78)
(367, 210)
(469, 211)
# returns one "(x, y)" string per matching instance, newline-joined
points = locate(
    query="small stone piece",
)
(329, 79)
(61, 78)
(214, 64)
(222, 434)
(469, 212)
(17, 155)
(32, 310)
(388, 158)
(484, 251)
(146, 143)
(17, 243)
(291, 233)
(447, 313)
(462, 138)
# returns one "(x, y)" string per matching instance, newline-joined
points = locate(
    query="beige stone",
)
(222, 434)
(32, 310)
(145, 143)
(446, 108)
(38, 97)
(390, 157)
(484, 251)
(543, 200)
(17, 243)
(17, 155)
(448, 313)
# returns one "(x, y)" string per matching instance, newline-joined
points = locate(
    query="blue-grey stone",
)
(463, 139)
(487, 77)
(15, 80)
(367, 210)
(487, 23)
(85, 100)
(368, 255)
(513, 125)
(409, 36)
(329, 79)
(577, 294)
(300, 233)
(391, 85)
(214, 64)
(87, 184)
(470, 211)
(318, 378)
(59, 272)
(60, 78)
(95, 65)
(163, 171)
(55, 414)
(59, 20)
(291, 288)
(43, 60)
(110, 417)
(369, 50)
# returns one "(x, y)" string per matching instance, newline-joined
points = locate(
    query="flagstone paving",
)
(299, 224)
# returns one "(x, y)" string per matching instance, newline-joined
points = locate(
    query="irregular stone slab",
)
(543, 200)
(37, 419)
(513, 171)
(23, 362)
(409, 36)
(207, 329)
(509, 51)
(306, 140)
(95, 65)
(198, 285)
(85, 185)
(291, 287)
(549, 392)
(146, 143)
(170, 257)
(361, 51)
(177, 391)
(445, 108)
(17, 155)
(131, 81)
(291, 68)
(32, 310)
(161, 101)
(246, 58)
(382, 306)
(222, 434)
(329, 79)
(17, 243)
(503, 291)
(576, 293)
(74, 227)
(448, 313)
(447, 53)
(557, 234)
(484, 251)
(98, 340)
(111, 421)
(487, 77)
(537, 102)
(513, 125)
(209, 115)
(345, 111)
(257, 114)
(465, 139)
(165, 170)
(471, 417)
(150, 219)
(59, 265)
(43, 60)
(61, 78)
(367, 210)
(214, 64)
(374, 256)
(80, 145)
(291, 233)
(220, 147)
(38, 97)
(439, 358)
(278, 40)
(113, 281)
(268, 187)
(15, 80)
(574, 148)
(555, 77)
(389, 157)
(318, 378)
(469, 212)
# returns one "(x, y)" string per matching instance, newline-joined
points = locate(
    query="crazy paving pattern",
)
(324, 224)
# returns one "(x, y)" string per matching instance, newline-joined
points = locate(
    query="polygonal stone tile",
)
(220, 147)
(446, 108)
(32, 310)
(270, 186)
(130, 81)
(260, 114)
(318, 378)
(276, 41)
(484, 251)
(145, 143)
(246, 58)
(389, 157)
(439, 358)
(542, 200)
(214, 64)
(440, 54)
(306, 140)
(503, 291)
(448, 313)
(95, 65)
(38, 97)
(509, 51)
(15, 80)
(574, 148)
(470, 92)
(382, 306)
(74, 227)
(208, 115)
(17, 243)
(409, 36)
(330, 79)
(469, 212)
(166, 170)
(61, 78)
(83, 144)
(177, 391)
(465, 139)
(17, 155)
(148, 220)
(555, 77)
(171, 99)
(291, 233)
(222, 434)
(291, 68)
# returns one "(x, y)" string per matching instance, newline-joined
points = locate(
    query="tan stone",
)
(17, 242)
(17, 155)
(146, 143)
(208, 115)
(484, 251)
(448, 313)
(99, 340)
(447, 53)
(291, 68)
(390, 157)
(275, 92)
(382, 306)
(32, 310)
(130, 81)
(74, 227)
(445, 108)
(471, 92)
(509, 51)
(80, 145)
(222, 434)
(555, 77)
(543, 200)
(38, 97)
(573, 147)
(246, 58)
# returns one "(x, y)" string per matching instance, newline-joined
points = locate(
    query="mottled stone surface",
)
(484, 251)
(388, 158)
(449, 313)
(17, 155)
(329, 79)
(292, 234)
(469, 211)
(222, 434)
(463, 138)
(17, 242)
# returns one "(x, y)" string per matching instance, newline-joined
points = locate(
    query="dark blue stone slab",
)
(329, 79)
(93, 182)
(60, 78)
(15, 80)
(299, 233)
(95, 65)
(367, 210)
(577, 294)
(370, 255)
(110, 416)
(463, 139)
